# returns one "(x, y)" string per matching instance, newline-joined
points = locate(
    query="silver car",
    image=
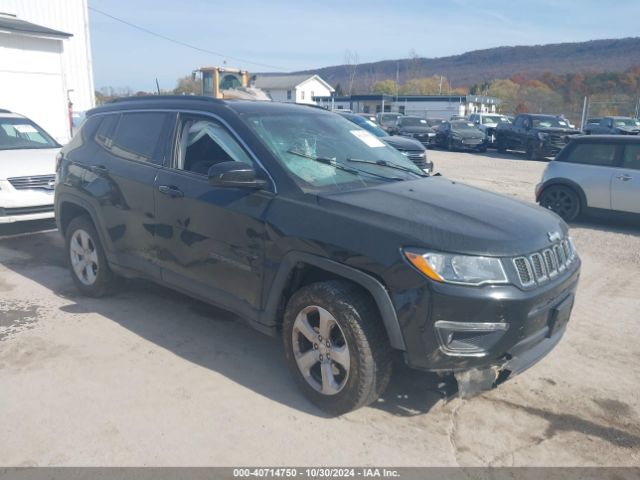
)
(600, 172)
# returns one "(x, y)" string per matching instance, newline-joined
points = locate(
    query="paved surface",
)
(150, 377)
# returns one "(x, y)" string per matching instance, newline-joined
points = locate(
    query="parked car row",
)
(412, 149)
(612, 126)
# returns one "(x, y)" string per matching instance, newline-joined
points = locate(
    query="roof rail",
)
(165, 97)
(4, 110)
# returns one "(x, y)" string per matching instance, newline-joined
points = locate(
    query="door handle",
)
(624, 178)
(171, 191)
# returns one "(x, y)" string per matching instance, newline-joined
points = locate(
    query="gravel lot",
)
(150, 377)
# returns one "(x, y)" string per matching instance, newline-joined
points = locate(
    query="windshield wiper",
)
(384, 163)
(333, 163)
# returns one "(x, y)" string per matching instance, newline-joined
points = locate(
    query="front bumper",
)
(466, 144)
(426, 139)
(530, 315)
(21, 216)
(25, 204)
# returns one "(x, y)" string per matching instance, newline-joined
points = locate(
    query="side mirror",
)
(234, 174)
(477, 122)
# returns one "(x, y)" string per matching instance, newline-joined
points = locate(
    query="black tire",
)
(529, 152)
(482, 150)
(365, 338)
(562, 200)
(101, 280)
(501, 146)
(532, 152)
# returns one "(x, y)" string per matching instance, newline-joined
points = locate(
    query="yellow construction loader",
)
(229, 83)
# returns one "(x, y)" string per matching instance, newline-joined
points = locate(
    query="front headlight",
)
(458, 269)
(542, 136)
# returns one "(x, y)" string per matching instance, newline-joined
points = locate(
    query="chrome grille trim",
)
(551, 262)
(561, 261)
(33, 182)
(539, 269)
(526, 276)
(545, 265)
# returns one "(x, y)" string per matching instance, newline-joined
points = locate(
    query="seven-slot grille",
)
(539, 267)
(44, 182)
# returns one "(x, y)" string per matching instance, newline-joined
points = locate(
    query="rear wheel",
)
(336, 346)
(561, 200)
(87, 261)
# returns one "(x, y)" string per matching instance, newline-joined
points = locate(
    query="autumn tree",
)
(388, 87)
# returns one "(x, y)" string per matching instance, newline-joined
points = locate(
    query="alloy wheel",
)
(84, 257)
(320, 350)
(560, 201)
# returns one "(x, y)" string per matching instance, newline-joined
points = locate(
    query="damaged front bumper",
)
(523, 355)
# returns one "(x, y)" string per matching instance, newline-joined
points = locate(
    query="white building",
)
(45, 61)
(427, 106)
(294, 88)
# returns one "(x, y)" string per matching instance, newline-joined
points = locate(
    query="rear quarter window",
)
(142, 137)
(601, 154)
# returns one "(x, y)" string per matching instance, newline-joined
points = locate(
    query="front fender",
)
(369, 283)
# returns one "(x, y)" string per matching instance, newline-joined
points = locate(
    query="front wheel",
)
(336, 346)
(501, 145)
(561, 200)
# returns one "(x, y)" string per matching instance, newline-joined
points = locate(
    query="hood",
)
(416, 129)
(439, 214)
(403, 143)
(26, 163)
(629, 130)
(469, 133)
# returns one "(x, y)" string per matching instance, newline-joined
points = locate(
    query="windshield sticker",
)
(367, 138)
(25, 128)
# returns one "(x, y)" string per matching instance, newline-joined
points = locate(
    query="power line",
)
(178, 42)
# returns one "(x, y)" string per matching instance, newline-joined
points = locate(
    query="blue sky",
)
(303, 34)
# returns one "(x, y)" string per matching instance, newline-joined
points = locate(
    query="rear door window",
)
(602, 154)
(631, 157)
(143, 137)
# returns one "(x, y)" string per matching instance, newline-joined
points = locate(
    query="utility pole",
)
(397, 79)
(585, 108)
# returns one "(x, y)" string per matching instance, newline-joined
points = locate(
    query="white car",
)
(488, 122)
(27, 169)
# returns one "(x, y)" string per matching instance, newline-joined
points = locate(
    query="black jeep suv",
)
(313, 229)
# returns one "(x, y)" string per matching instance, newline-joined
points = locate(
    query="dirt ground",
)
(150, 377)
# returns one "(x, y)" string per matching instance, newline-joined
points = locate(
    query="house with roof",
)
(45, 67)
(294, 88)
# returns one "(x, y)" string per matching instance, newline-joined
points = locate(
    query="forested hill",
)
(478, 66)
